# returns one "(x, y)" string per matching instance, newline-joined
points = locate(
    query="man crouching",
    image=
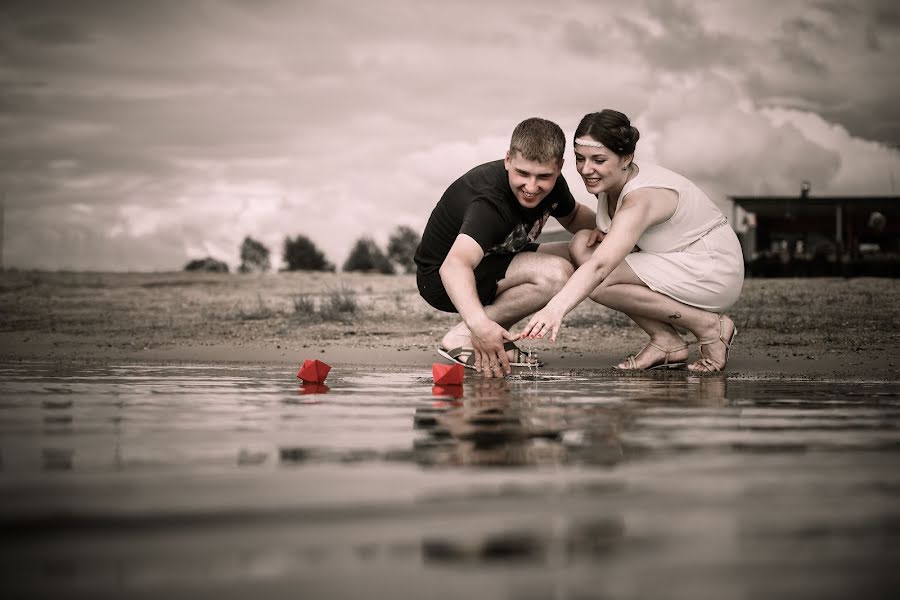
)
(478, 258)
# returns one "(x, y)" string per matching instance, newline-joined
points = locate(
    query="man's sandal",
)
(465, 356)
(660, 364)
(706, 364)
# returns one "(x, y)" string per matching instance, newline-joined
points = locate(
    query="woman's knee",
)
(578, 248)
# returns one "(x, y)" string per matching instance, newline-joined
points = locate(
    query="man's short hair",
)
(539, 140)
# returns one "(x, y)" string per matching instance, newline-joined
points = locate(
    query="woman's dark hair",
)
(611, 128)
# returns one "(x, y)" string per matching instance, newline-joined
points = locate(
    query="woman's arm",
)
(637, 212)
(624, 233)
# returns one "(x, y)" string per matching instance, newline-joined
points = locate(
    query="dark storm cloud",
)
(838, 57)
(799, 60)
(685, 43)
(54, 32)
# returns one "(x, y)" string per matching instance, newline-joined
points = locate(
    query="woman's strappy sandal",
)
(660, 364)
(706, 364)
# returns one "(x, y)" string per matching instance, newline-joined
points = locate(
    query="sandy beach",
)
(822, 329)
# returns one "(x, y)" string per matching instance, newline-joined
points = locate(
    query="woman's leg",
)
(661, 333)
(624, 291)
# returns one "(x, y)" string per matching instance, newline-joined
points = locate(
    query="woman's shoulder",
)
(656, 172)
(654, 179)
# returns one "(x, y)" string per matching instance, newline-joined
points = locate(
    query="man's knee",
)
(555, 274)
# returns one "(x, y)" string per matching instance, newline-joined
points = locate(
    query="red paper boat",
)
(447, 374)
(313, 371)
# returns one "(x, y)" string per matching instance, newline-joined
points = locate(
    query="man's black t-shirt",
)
(481, 205)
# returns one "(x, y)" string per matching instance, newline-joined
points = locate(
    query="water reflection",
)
(58, 459)
(155, 479)
(561, 543)
(503, 422)
(450, 391)
(313, 388)
(491, 426)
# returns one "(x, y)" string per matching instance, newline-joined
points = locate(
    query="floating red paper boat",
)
(313, 371)
(447, 374)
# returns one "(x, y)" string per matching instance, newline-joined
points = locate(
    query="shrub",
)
(259, 312)
(208, 264)
(402, 247)
(366, 256)
(301, 254)
(304, 305)
(338, 304)
(254, 256)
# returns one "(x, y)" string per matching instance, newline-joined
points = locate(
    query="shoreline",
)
(836, 368)
(826, 329)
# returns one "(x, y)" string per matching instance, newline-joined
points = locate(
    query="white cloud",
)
(136, 136)
(865, 167)
(707, 129)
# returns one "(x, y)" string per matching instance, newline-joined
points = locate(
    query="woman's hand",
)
(595, 238)
(547, 320)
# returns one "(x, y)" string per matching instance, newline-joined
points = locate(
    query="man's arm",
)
(580, 218)
(458, 276)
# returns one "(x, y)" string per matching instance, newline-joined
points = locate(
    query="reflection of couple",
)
(657, 249)
(493, 424)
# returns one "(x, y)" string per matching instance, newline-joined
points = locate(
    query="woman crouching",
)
(662, 253)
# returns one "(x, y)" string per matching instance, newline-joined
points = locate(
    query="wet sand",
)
(825, 329)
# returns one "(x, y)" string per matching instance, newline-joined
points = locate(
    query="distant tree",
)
(301, 254)
(254, 256)
(208, 264)
(365, 256)
(402, 247)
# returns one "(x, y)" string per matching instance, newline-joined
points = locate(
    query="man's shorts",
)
(488, 273)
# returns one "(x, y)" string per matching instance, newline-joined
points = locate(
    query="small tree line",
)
(300, 253)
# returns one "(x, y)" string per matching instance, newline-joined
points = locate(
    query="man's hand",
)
(487, 341)
(547, 320)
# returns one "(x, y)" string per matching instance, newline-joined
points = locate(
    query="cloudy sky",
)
(139, 135)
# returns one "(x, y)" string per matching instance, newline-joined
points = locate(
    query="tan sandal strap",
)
(658, 347)
(668, 351)
(721, 337)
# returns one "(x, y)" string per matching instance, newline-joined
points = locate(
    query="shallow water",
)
(212, 481)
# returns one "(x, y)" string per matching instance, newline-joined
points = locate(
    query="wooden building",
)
(819, 235)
